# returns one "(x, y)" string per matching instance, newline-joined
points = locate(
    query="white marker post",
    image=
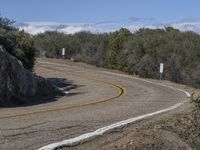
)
(63, 53)
(161, 70)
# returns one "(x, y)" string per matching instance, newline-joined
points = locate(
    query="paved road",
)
(100, 99)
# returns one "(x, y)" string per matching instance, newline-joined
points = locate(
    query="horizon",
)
(36, 16)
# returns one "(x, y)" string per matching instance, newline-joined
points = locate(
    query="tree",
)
(137, 53)
(17, 43)
(113, 55)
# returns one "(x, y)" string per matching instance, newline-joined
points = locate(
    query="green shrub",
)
(18, 43)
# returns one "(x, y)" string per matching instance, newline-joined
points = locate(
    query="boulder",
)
(15, 80)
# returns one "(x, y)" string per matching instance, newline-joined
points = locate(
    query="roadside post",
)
(63, 53)
(161, 70)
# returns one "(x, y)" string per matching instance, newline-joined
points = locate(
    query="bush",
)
(135, 53)
(18, 43)
(195, 100)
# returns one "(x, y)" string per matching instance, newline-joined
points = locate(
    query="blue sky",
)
(122, 12)
(99, 10)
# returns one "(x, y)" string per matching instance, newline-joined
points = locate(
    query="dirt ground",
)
(177, 130)
(173, 133)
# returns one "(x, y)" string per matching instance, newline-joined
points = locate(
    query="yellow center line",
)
(120, 91)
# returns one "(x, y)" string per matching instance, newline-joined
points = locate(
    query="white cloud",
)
(68, 28)
(104, 26)
(134, 28)
(35, 29)
(75, 29)
(182, 26)
(188, 26)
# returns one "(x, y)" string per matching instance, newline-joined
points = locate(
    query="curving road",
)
(100, 99)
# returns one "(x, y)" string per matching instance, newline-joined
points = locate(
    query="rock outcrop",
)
(15, 80)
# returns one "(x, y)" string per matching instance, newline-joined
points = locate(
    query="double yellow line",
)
(120, 91)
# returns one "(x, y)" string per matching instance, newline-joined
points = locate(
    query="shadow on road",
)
(59, 88)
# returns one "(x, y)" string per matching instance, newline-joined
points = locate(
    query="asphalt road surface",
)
(99, 99)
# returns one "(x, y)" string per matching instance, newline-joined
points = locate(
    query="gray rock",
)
(15, 80)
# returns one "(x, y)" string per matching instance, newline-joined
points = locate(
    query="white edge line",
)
(100, 131)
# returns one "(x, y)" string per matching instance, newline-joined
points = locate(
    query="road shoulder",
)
(172, 130)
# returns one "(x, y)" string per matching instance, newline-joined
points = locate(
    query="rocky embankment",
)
(17, 83)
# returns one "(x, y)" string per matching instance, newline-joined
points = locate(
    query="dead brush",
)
(195, 100)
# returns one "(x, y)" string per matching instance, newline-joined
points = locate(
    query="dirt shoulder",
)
(171, 131)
